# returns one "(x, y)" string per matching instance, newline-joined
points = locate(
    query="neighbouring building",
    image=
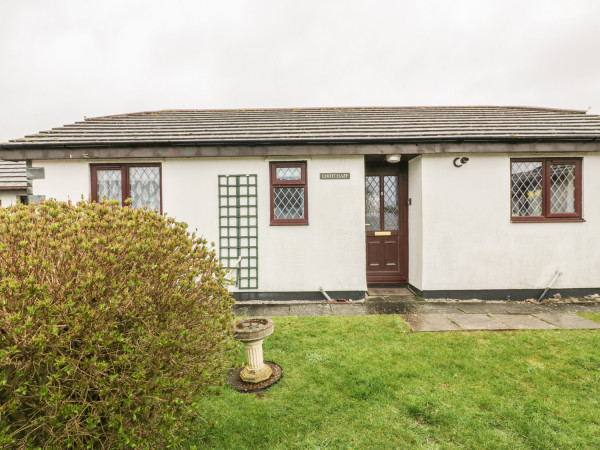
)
(462, 202)
(13, 182)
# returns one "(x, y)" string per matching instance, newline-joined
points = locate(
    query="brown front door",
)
(386, 224)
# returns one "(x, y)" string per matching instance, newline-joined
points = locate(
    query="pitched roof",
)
(13, 175)
(320, 125)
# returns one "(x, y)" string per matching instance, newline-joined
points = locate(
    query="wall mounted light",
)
(459, 162)
(393, 158)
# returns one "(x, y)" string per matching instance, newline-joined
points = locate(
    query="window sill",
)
(288, 224)
(546, 219)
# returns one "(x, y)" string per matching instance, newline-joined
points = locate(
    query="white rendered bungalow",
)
(462, 202)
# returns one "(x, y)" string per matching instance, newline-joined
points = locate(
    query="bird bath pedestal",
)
(256, 374)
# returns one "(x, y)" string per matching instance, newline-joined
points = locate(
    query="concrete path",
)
(441, 315)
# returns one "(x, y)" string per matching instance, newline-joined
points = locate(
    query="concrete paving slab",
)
(391, 308)
(483, 308)
(466, 313)
(477, 322)
(523, 308)
(436, 308)
(349, 309)
(568, 321)
(589, 306)
(318, 309)
(241, 311)
(375, 298)
(429, 322)
(523, 322)
(571, 308)
(393, 298)
(261, 310)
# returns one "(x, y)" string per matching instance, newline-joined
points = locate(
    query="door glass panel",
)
(372, 213)
(110, 185)
(390, 202)
(144, 184)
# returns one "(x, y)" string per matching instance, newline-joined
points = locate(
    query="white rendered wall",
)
(63, 180)
(329, 252)
(8, 199)
(469, 242)
(415, 223)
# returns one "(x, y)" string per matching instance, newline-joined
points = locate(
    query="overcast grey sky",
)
(62, 60)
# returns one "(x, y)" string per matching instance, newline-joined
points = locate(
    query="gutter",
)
(13, 188)
(20, 152)
(288, 142)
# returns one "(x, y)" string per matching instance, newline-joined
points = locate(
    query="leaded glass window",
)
(527, 188)
(288, 203)
(562, 188)
(144, 187)
(545, 189)
(289, 193)
(139, 182)
(289, 173)
(110, 185)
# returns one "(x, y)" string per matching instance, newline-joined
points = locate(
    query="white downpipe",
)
(556, 275)
(325, 294)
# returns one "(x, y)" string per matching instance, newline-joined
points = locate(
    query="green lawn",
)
(591, 316)
(368, 382)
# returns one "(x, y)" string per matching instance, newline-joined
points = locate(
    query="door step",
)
(389, 291)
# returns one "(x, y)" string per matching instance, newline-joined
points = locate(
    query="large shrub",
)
(113, 321)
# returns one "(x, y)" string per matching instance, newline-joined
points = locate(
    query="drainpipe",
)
(325, 294)
(330, 300)
(556, 275)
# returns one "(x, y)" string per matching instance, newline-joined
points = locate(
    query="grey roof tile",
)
(321, 125)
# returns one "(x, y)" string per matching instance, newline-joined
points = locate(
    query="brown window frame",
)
(275, 183)
(125, 185)
(547, 215)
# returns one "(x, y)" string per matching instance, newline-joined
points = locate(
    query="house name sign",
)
(335, 176)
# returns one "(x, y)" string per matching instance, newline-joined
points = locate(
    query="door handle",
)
(367, 224)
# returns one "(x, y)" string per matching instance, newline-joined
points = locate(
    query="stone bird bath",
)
(256, 375)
